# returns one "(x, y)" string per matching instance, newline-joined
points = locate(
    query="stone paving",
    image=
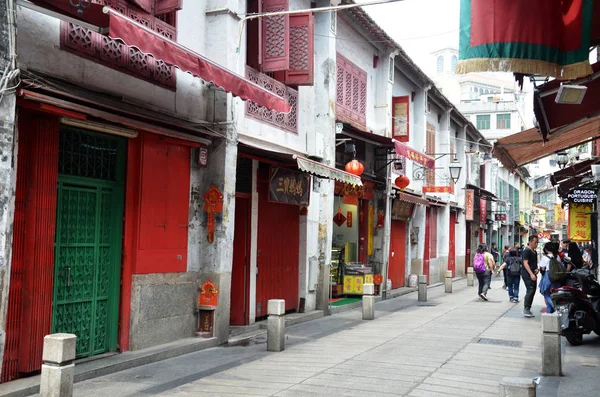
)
(415, 349)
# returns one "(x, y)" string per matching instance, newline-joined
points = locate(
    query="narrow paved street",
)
(453, 345)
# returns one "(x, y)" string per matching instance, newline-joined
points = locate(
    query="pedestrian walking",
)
(587, 256)
(512, 267)
(505, 254)
(483, 266)
(552, 273)
(529, 274)
(575, 255)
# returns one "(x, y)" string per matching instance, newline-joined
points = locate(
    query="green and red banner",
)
(546, 37)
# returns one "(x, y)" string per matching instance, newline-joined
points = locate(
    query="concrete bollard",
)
(551, 345)
(368, 302)
(448, 281)
(422, 288)
(276, 325)
(470, 281)
(517, 387)
(58, 370)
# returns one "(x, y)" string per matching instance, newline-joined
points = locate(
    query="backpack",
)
(514, 265)
(479, 263)
(556, 271)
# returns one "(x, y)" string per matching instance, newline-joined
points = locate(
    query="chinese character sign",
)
(580, 222)
(438, 189)
(482, 210)
(469, 204)
(400, 115)
(289, 187)
(416, 156)
(500, 217)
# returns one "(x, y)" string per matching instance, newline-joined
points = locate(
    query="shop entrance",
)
(452, 246)
(241, 262)
(88, 239)
(397, 261)
(278, 244)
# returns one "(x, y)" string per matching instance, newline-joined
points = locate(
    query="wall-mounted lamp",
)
(562, 159)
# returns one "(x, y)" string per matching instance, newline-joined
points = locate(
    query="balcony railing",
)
(285, 121)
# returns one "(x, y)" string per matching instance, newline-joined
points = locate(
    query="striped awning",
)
(325, 171)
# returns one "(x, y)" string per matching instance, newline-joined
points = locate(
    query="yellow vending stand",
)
(355, 275)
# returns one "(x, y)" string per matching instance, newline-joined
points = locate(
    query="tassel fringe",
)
(525, 66)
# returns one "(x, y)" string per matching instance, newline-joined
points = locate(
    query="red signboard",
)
(500, 217)
(469, 204)
(438, 189)
(202, 156)
(482, 210)
(416, 156)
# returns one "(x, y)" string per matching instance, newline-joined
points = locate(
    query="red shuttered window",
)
(351, 93)
(275, 33)
(166, 6)
(301, 53)
(430, 150)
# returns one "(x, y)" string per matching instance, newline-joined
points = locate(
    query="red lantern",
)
(402, 181)
(355, 167)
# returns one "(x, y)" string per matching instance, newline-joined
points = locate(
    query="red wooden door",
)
(427, 247)
(397, 261)
(278, 244)
(241, 263)
(468, 247)
(452, 250)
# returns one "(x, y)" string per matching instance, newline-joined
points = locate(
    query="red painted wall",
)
(240, 273)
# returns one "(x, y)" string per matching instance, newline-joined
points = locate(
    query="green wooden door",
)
(88, 239)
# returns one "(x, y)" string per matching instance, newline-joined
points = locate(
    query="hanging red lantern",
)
(402, 181)
(355, 167)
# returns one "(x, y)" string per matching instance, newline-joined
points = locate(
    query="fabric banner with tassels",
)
(546, 37)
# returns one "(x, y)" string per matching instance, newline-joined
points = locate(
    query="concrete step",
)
(111, 363)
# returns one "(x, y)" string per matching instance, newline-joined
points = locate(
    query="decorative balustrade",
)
(285, 121)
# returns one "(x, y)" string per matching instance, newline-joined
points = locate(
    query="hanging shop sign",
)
(411, 154)
(559, 214)
(500, 217)
(438, 189)
(469, 204)
(202, 156)
(580, 222)
(582, 196)
(482, 210)
(289, 187)
(402, 210)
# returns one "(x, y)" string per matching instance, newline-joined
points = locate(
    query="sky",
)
(419, 26)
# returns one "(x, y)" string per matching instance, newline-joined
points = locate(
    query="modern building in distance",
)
(495, 105)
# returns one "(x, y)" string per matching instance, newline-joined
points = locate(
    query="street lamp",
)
(562, 159)
(455, 169)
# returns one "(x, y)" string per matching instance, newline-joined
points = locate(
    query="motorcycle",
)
(578, 304)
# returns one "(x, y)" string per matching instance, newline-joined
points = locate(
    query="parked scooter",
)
(578, 304)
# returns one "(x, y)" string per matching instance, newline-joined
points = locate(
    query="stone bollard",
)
(423, 288)
(276, 325)
(551, 345)
(58, 370)
(470, 281)
(368, 302)
(517, 387)
(448, 281)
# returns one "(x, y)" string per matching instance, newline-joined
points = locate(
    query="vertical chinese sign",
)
(469, 201)
(482, 210)
(400, 118)
(580, 222)
(289, 187)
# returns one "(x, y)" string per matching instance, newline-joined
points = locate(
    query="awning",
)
(410, 198)
(573, 176)
(325, 171)
(546, 37)
(414, 155)
(552, 115)
(479, 192)
(526, 146)
(174, 54)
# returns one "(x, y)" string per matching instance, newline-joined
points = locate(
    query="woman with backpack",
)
(512, 268)
(483, 266)
(553, 273)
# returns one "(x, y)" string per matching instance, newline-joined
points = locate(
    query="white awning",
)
(325, 171)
